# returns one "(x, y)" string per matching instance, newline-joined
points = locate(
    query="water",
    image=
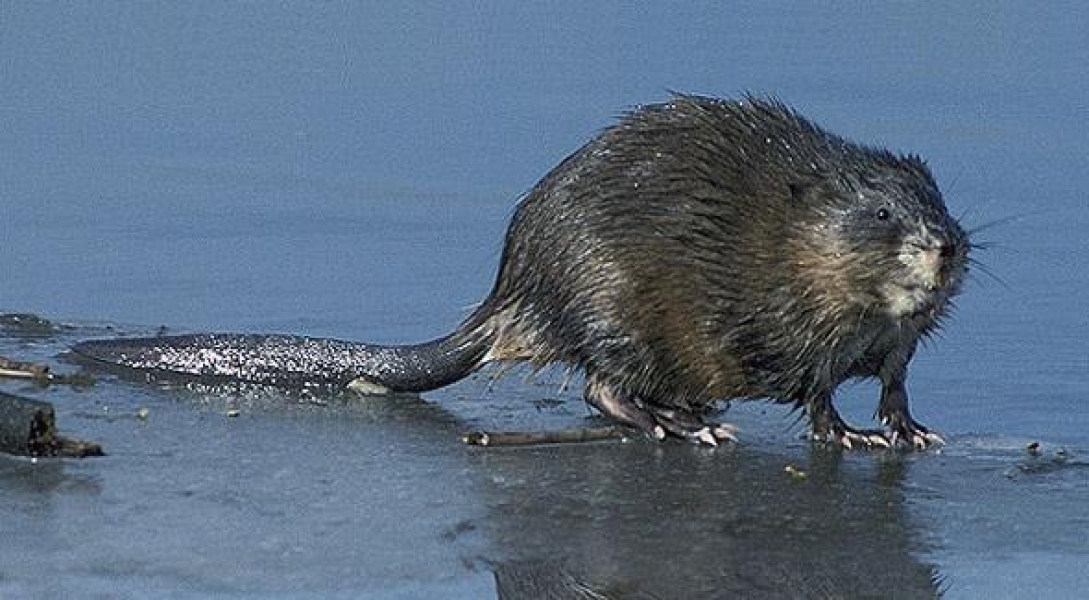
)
(347, 170)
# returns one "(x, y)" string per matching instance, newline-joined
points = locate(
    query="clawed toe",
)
(714, 433)
(726, 432)
(849, 437)
(921, 439)
(877, 440)
(912, 434)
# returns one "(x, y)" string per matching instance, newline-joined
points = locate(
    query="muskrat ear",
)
(799, 189)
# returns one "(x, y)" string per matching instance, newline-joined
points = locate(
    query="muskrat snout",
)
(934, 262)
(952, 258)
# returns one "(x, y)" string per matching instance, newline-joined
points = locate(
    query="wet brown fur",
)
(705, 249)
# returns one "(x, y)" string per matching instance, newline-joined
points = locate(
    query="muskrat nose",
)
(946, 250)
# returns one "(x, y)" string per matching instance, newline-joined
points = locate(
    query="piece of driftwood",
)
(25, 370)
(40, 374)
(532, 438)
(28, 428)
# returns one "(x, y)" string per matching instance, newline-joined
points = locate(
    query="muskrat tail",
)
(295, 361)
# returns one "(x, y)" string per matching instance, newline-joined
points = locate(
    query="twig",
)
(40, 373)
(532, 438)
(23, 370)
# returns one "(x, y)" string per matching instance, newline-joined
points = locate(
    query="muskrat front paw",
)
(899, 429)
(849, 437)
(904, 429)
(828, 427)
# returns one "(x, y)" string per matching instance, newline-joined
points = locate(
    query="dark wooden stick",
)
(25, 370)
(41, 374)
(532, 438)
(28, 428)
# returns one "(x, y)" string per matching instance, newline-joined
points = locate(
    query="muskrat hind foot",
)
(658, 421)
(690, 426)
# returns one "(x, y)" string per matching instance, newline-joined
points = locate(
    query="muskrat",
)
(697, 250)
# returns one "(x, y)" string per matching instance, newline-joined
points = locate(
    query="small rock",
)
(795, 472)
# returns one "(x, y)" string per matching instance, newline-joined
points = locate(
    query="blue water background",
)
(347, 170)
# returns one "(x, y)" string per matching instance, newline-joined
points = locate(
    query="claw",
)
(705, 436)
(878, 440)
(922, 440)
(915, 435)
(849, 438)
(724, 432)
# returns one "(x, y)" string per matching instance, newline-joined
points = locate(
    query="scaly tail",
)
(294, 361)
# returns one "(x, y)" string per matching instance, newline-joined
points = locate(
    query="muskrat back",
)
(702, 250)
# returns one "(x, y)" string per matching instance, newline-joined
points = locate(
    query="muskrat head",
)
(911, 253)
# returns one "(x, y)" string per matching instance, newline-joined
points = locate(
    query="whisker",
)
(1002, 221)
(977, 266)
(964, 214)
(952, 185)
(974, 210)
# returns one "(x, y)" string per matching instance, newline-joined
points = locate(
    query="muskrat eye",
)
(883, 214)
